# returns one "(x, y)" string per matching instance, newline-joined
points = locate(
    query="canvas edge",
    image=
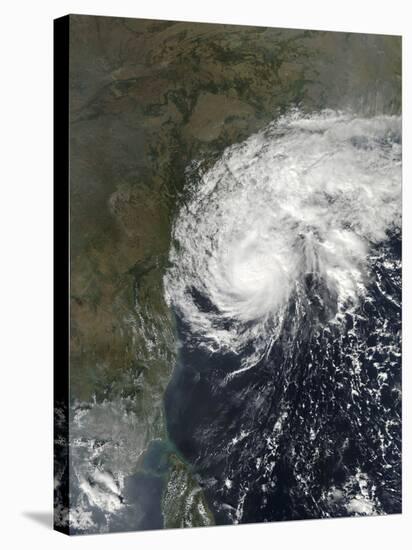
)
(61, 262)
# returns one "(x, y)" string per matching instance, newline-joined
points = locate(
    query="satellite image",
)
(235, 276)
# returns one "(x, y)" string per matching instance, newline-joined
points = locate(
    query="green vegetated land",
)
(146, 99)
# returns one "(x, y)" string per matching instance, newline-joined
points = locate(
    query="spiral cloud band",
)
(290, 216)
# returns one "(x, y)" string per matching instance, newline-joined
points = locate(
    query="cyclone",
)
(283, 226)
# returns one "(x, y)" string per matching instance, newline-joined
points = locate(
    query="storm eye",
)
(263, 228)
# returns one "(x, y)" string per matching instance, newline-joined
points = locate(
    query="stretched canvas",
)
(227, 274)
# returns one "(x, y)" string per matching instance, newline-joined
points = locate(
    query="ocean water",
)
(285, 282)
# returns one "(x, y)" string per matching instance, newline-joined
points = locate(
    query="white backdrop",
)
(26, 270)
